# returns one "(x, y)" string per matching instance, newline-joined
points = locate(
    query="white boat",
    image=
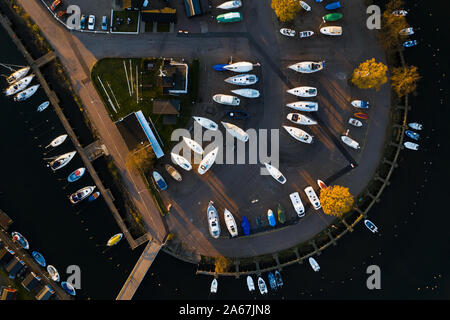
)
(25, 94)
(213, 221)
(206, 123)
(313, 198)
(415, 126)
(350, 142)
(299, 134)
(307, 106)
(226, 99)
(400, 13)
(355, 122)
(17, 75)
(43, 106)
(262, 285)
(303, 92)
(307, 66)
(62, 160)
(305, 6)
(54, 274)
(230, 222)
(287, 32)
(248, 93)
(300, 119)
(305, 34)
(181, 161)
(331, 31)
(242, 66)
(235, 131)
(57, 141)
(214, 285)
(275, 173)
(230, 5)
(406, 32)
(19, 85)
(208, 161)
(370, 225)
(193, 145)
(250, 284)
(81, 194)
(242, 79)
(411, 145)
(297, 203)
(360, 104)
(314, 264)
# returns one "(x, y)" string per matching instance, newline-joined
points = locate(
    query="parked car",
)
(105, 23)
(83, 21)
(91, 22)
(55, 4)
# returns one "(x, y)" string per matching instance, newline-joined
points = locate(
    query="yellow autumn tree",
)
(389, 35)
(222, 264)
(404, 80)
(286, 10)
(336, 200)
(140, 159)
(370, 74)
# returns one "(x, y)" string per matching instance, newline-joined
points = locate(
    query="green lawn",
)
(124, 27)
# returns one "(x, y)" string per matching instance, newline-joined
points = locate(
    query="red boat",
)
(321, 184)
(361, 115)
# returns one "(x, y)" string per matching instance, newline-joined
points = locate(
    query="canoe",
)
(159, 180)
(333, 5)
(229, 17)
(193, 145)
(239, 115)
(114, 239)
(181, 161)
(77, 174)
(281, 214)
(361, 115)
(245, 224)
(43, 106)
(271, 218)
(94, 196)
(208, 161)
(206, 123)
(332, 16)
(39, 258)
(173, 172)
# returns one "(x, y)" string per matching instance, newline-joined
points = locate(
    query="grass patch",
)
(123, 26)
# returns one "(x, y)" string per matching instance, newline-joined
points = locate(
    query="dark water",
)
(411, 248)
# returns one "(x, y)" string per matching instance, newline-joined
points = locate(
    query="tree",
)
(222, 264)
(336, 200)
(286, 10)
(370, 74)
(391, 25)
(404, 80)
(140, 159)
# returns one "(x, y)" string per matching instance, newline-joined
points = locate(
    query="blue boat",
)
(272, 281)
(278, 278)
(17, 237)
(271, 218)
(77, 174)
(159, 180)
(68, 288)
(409, 43)
(239, 115)
(333, 5)
(39, 258)
(220, 67)
(94, 196)
(412, 134)
(245, 224)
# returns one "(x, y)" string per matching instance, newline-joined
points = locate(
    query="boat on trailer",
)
(299, 134)
(206, 123)
(230, 222)
(300, 119)
(303, 91)
(62, 160)
(114, 239)
(25, 94)
(19, 85)
(17, 75)
(307, 106)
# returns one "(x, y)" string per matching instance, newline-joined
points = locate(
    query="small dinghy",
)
(193, 145)
(159, 180)
(415, 126)
(39, 258)
(331, 31)
(43, 106)
(360, 104)
(350, 142)
(275, 173)
(181, 161)
(114, 239)
(57, 141)
(250, 284)
(303, 92)
(242, 80)
(370, 225)
(300, 119)
(411, 145)
(305, 34)
(248, 93)
(230, 222)
(94, 196)
(208, 161)
(332, 17)
(321, 184)
(19, 85)
(355, 122)
(305, 6)
(238, 115)
(242, 66)
(235, 131)
(20, 239)
(287, 32)
(299, 134)
(280, 213)
(406, 32)
(272, 281)
(333, 5)
(245, 225)
(173, 172)
(81, 194)
(62, 160)
(262, 285)
(68, 288)
(213, 221)
(54, 274)
(278, 279)
(361, 115)
(229, 17)
(314, 264)
(307, 66)
(230, 5)
(412, 135)
(226, 99)
(271, 218)
(313, 198)
(307, 106)
(206, 123)
(214, 285)
(25, 94)
(76, 175)
(400, 13)
(410, 43)
(17, 75)
(298, 204)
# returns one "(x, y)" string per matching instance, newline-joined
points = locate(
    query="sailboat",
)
(193, 145)
(313, 198)
(300, 119)
(235, 131)
(214, 285)
(181, 161)
(213, 221)
(19, 85)
(299, 134)
(230, 222)
(242, 66)
(206, 123)
(25, 94)
(173, 172)
(208, 161)
(307, 106)
(77, 174)
(81, 194)
(248, 93)
(303, 92)
(250, 284)
(62, 160)
(230, 5)
(262, 285)
(114, 239)
(57, 141)
(54, 274)
(314, 264)
(242, 79)
(350, 142)
(17, 75)
(226, 99)
(275, 173)
(307, 66)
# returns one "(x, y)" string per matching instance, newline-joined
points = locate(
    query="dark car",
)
(55, 4)
(83, 21)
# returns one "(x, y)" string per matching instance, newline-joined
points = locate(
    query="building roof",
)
(175, 78)
(193, 7)
(166, 107)
(7, 293)
(166, 15)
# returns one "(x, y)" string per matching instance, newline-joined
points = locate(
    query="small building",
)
(169, 109)
(14, 266)
(165, 15)
(46, 293)
(193, 8)
(32, 282)
(134, 4)
(174, 77)
(7, 293)
(6, 255)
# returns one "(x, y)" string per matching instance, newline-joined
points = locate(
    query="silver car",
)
(91, 22)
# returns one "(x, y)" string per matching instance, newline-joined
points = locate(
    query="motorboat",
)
(272, 281)
(19, 85)
(43, 106)
(262, 285)
(173, 172)
(303, 92)
(114, 239)
(17, 75)
(53, 273)
(278, 279)
(193, 145)
(321, 184)
(299, 134)
(313, 198)
(410, 43)
(68, 288)
(370, 225)
(235, 131)
(297, 203)
(159, 180)
(355, 122)
(226, 99)
(230, 222)
(25, 94)
(400, 13)
(333, 5)
(305, 34)
(350, 142)
(206, 123)
(361, 115)
(230, 5)
(245, 225)
(242, 79)
(331, 31)
(229, 17)
(181, 161)
(271, 218)
(238, 115)
(406, 32)
(314, 264)
(250, 284)
(208, 161)
(94, 196)
(62, 160)
(242, 66)
(248, 93)
(301, 119)
(81, 194)
(39, 258)
(412, 134)
(335, 16)
(360, 104)
(307, 106)
(411, 145)
(76, 175)
(287, 32)
(415, 126)
(307, 66)
(214, 285)
(213, 221)
(57, 141)
(275, 173)
(280, 213)
(305, 6)
(20, 239)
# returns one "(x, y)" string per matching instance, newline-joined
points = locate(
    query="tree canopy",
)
(140, 159)
(404, 80)
(222, 264)
(391, 25)
(336, 200)
(370, 74)
(286, 10)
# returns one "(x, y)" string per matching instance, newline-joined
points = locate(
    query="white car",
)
(313, 198)
(91, 22)
(297, 203)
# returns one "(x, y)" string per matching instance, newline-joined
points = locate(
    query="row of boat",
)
(229, 16)
(18, 82)
(413, 135)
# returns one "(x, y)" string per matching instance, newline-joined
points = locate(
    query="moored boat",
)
(20, 239)
(307, 106)
(321, 184)
(17, 75)
(333, 5)
(114, 239)
(262, 285)
(235, 131)
(370, 225)
(19, 85)
(300, 119)
(208, 161)
(230, 223)
(415, 126)
(54, 274)
(412, 134)
(303, 91)
(68, 288)
(43, 106)
(77, 174)
(206, 123)
(81, 194)
(193, 145)
(248, 93)
(406, 32)
(173, 172)
(305, 6)
(25, 94)
(214, 285)
(242, 66)
(181, 161)
(272, 281)
(410, 43)
(305, 34)
(331, 31)
(39, 258)
(242, 79)
(275, 173)
(361, 115)
(287, 32)
(332, 17)
(229, 17)
(299, 134)
(411, 145)
(271, 218)
(230, 5)
(62, 160)
(350, 142)
(213, 221)
(313, 198)
(94, 196)
(297, 203)
(314, 264)
(245, 225)
(250, 284)
(400, 13)
(355, 122)
(226, 99)
(239, 115)
(307, 66)
(278, 279)
(360, 104)
(159, 180)
(57, 141)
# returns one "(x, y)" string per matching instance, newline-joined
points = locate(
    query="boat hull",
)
(213, 221)
(331, 31)
(173, 172)
(208, 161)
(242, 66)
(245, 225)
(226, 99)
(114, 239)
(76, 175)
(81, 194)
(206, 123)
(229, 17)
(275, 173)
(313, 198)
(299, 134)
(181, 161)
(235, 131)
(361, 115)
(297, 204)
(43, 106)
(230, 223)
(350, 142)
(271, 218)
(27, 93)
(242, 80)
(39, 258)
(300, 119)
(159, 180)
(305, 92)
(21, 240)
(248, 93)
(62, 160)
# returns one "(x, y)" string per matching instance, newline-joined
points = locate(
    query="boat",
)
(248, 93)
(242, 79)
(206, 123)
(43, 106)
(410, 43)
(333, 5)
(250, 284)
(242, 66)
(355, 122)
(275, 173)
(281, 214)
(20, 239)
(114, 239)
(181, 161)
(62, 160)
(77, 174)
(39, 258)
(314, 264)
(226, 99)
(300, 119)
(412, 134)
(307, 106)
(230, 222)
(81, 194)
(360, 104)
(159, 180)
(297, 203)
(19, 85)
(335, 16)
(245, 225)
(214, 285)
(262, 285)
(235, 131)
(25, 94)
(406, 31)
(272, 281)
(94, 196)
(350, 142)
(361, 115)
(57, 141)
(415, 126)
(220, 67)
(303, 92)
(400, 13)
(331, 31)
(230, 5)
(313, 198)
(305, 34)
(238, 115)
(68, 288)
(229, 17)
(278, 279)
(208, 161)
(287, 32)
(370, 225)
(411, 145)
(305, 6)
(17, 75)
(307, 66)
(299, 134)
(213, 221)
(173, 172)
(193, 145)
(54, 274)
(271, 218)
(321, 184)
